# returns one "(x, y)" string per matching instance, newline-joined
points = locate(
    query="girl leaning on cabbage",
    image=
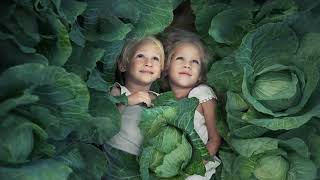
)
(139, 64)
(185, 70)
(180, 135)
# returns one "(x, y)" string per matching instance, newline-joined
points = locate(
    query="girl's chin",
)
(184, 84)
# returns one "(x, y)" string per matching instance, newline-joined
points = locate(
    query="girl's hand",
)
(212, 147)
(140, 97)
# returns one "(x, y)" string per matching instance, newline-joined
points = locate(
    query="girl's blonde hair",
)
(129, 50)
(174, 37)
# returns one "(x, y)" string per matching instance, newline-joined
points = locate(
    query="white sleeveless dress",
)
(129, 138)
(203, 93)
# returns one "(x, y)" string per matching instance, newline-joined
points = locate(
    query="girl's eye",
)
(196, 61)
(179, 58)
(139, 55)
(156, 58)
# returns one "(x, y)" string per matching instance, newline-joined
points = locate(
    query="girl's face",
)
(185, 66)
(144, 64)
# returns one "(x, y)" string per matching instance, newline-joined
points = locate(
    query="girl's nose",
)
(187, 65)
(148, 62)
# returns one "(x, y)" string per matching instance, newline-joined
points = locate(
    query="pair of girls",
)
(141, 63)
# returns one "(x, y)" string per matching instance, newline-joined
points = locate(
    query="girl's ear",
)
(122, 67)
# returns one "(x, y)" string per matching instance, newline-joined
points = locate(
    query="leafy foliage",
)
(57, 66)
(272, 85)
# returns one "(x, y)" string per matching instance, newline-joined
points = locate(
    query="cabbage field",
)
(57, 64)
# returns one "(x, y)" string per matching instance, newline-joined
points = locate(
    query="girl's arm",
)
(115, 91)
(209, 112)
(133, 99)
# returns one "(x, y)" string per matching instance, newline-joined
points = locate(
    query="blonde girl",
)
(185, 71)
(139, 65)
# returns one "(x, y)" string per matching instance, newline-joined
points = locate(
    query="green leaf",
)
(17, 137)
(80, 158)
(175, 160)
(266, 46)
(229, 26)
(96, 82)
(84, 59)
(112, 51)
(37, 170)
(12, 103)
(249, 147)
(275, 11)
(155, 16)
(297, 145)
(301, 168)
(63, 97)
(56, 48)
(225, 75)
(27, 21)
(104, 123)
(101, 21)
(122, 165)
(72, 9)
(272, 167)
(287, 122)
(13, 55)
(164, 98)
(314, 149)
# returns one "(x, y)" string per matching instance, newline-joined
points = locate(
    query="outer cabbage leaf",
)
(18, 135)
(63, 97)
(85, 160)
(37, 170)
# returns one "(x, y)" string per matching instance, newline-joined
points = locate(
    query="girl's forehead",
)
(187, 44)
(147, 45)
(187, 47)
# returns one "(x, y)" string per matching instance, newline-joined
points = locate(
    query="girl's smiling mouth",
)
(185, 73)
(146, 71)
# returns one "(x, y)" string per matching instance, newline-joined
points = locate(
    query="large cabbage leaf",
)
(223, 24)
(42, 169)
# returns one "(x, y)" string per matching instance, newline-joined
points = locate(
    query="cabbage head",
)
(278, 71)
(171, 148)
(272, 92)
(268, 158)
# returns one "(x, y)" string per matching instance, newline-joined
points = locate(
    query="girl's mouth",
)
(146, 71)
(185, 73)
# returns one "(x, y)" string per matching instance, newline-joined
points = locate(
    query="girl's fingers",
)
(147, 102)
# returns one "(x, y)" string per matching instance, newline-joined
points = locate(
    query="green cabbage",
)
(171, 148)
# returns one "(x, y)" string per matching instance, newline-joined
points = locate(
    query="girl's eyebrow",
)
(179, 57)
(156, 55)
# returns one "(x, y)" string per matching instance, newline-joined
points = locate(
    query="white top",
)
(129, 138)
(203, 93)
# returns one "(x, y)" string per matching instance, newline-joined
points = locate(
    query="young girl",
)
(186, 73)
(140, 63)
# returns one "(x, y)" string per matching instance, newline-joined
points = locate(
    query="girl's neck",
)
(133, 87)
(180, 92)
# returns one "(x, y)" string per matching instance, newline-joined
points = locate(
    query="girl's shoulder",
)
(202, 92)
(117, 90)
